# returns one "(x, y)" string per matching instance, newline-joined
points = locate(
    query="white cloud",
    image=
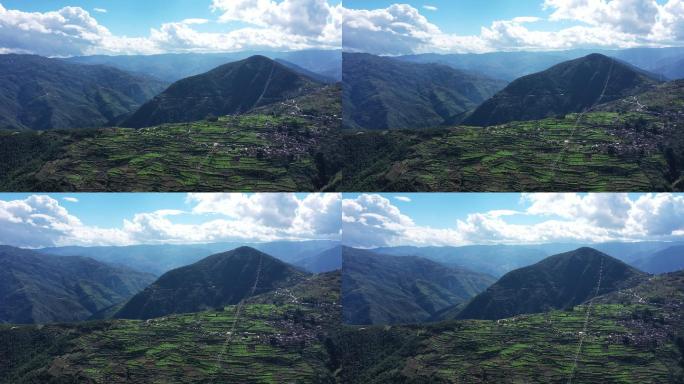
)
(281, 25)
(430, 7)
(402, 29)
(371, 221)
(70, 199)
(40, 221)
(405, 199)
(100, 10)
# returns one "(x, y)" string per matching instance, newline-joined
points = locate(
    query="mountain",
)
(512, 65)
(326, 261)
(382, 92)
(557, 282)
(277, 337)
(37, 288)
(303, 71)
(41, 93)
(222, 279)
(572, 86)
(494, 260)
(630, 336)
(382, 289)
(232, 88)
(667, 260)
(161, 258)
(672, 70)
(172, 67)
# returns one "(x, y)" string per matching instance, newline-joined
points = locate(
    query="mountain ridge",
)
(232, 88)
(557, 282)
(40, 93)
(38, 288)
(571, 86)
(215, 281)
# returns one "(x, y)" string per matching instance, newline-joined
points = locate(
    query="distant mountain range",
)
(38, 288)
(572, 86)
(173, 67)
(631, 335)
(512, 65)
(382, 289)
(667, 260)
(497, 260)
(41, 93)
(232, 88)
(213, 282)
(382, 92)
(557, 282)
(158, 259)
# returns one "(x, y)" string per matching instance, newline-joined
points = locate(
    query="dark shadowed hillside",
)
(557, 282)
(218, 280)
(667, 260)
(572, 86)
(41, 93)
(382, 289)
(382, 92)
(232, 88)
(326, 261)
(36, 288)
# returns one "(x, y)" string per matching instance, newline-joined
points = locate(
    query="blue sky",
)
(109, 210)
(390, 219)
(462, 16)
(133, 18)
(442, 210)
(476, 26)
(53, 28)
(40, 220)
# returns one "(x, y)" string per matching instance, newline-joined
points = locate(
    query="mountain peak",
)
(222, 279)
(568, 87)
(232, 88)
(559, 281)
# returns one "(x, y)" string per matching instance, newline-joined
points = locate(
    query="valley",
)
(620, 146)
(625, 340)
(270, 338)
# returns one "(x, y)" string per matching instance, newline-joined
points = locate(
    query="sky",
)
(377, 220)
(87, 27)
(59, 28)
(45, 220)
(472, 26)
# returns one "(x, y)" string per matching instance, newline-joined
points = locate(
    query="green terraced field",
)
(278, 337)
(275, 148)
(548, 155)
(634, 144)
(632, 336)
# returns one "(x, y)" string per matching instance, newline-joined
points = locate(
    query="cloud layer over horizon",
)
(326, 24)
(270, 25)
(42, 221)
(404, 29)
(371, 220)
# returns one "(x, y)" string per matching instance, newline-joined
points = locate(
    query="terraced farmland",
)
(273, 149)
(632, 336)
(276, 338)
(599, 151)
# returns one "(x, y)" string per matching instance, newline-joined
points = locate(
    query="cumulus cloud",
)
(70, 199)
(402, 29)
(372, 221)
(430, 7)
(40, 221)
(282, 25)
(405, 199)
(100, 10)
